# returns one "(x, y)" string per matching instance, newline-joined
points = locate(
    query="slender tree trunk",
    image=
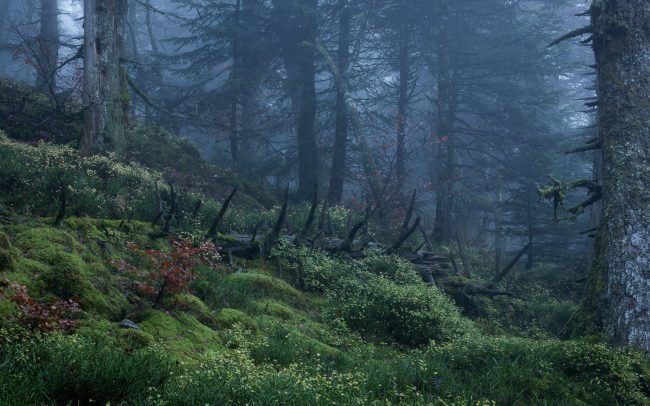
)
(5, 6)
(499, 242)
(531, 227)
(47, 47)
(339, 166)
(235, 89)
(402, 104)
(443, 229)
(622, 45)
(308, 157)
(102, 91)
(251, 71)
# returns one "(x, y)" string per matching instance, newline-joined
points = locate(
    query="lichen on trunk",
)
(620, 283)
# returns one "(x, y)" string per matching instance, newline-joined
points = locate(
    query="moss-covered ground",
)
(251, 337)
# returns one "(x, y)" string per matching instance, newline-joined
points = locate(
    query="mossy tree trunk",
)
(620, 283)
(102, 84)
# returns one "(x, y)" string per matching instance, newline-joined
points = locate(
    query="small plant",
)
(42, 317)
(170, 272)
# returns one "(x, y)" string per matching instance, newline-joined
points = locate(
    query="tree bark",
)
(443, 228)
(102, 85)
(337, 178)
(622, 45)
(402, 104)
(297, 25)
(47, 47)
(235, 86)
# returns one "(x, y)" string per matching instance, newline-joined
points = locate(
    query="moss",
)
(43, 239)
(227, 318)
(135, 339)
(182, 333)
(241, 287)
(194, 306)
(274, 308)
(67, 277)
(286, 344)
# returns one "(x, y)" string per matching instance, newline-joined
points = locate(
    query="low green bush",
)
(74, 369)
(381, 297)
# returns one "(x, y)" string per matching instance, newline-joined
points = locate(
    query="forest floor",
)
(97, 306)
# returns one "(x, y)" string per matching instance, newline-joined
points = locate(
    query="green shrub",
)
(74, 369)
(405, 314)
(525, 371)
(392, 267)
(285, 345)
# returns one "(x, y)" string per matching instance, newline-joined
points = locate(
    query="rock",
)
(128, 324)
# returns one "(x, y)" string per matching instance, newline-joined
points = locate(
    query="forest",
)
(324, 202)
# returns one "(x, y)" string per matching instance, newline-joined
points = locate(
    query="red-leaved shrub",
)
(43, 317)
(169, 272)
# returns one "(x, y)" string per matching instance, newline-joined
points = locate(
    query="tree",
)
(5, 6)
(338, 170)
(621, 277)
(47, 47)
(103, 84)
(296, 28)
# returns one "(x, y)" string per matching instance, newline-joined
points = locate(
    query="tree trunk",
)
(102, 84)
(297, 25)
(446, 120)
(622, 45)
(531, 227)
(235, 89)
(47, 47)
(402, 104)
(337, 178)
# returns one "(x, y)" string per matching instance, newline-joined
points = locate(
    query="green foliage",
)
(562, 373)
(239, 288)
(71, 369)
(381, 297)
(405, 314)
(30, 116)
(227, 318)
(31, 179)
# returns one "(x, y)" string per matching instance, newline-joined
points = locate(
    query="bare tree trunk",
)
(339, 166)
(235, 89)
(446, 120)
(622, 274)
(297, 24)
(47, 47)
(499, 243)
(531, 226)
(102, 92)
(402, 104)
